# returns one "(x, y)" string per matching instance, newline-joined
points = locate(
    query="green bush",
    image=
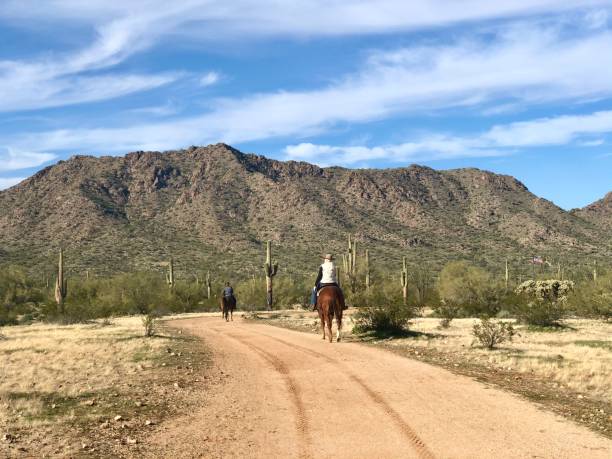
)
(544, 301)
(490, 332)
(388, 320)
(593, 299)
(470, 289)
(447, 311)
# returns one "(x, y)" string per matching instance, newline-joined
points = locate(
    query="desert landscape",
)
(314, 229)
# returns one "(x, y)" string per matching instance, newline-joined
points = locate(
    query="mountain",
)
(212, 207)
(599, 213)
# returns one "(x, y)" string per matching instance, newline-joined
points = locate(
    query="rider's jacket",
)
(328, 270)
(228, 292)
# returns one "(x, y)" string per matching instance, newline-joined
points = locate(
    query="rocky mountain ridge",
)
(212, 207)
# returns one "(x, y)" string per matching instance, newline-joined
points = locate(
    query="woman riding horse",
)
(327, 297)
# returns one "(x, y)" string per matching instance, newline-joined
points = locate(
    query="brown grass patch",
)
(61, 387)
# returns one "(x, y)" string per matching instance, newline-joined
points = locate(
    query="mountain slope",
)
(211, 207)
(600, 212)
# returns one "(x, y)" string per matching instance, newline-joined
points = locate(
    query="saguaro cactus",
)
(506, 277)
(595, 271)
(270, 269)
(349, 262)
(208, 286)
(367, 270)
(61, 284)
(404, 280)
(170, 274)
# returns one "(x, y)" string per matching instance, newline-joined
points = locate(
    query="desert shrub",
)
(593, 299)
(392, 319)
(490, 332)
(447, 311)
(149, 322)
(421, 283)
(544, 301)
(470, 289)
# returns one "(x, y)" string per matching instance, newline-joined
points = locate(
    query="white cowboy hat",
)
(328, 256)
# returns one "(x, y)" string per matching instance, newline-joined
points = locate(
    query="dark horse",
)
(228, 304)
(330, 303)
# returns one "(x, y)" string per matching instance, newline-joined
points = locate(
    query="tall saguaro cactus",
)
(349, 262)
(61, 284)
(270, 269)
(170, 274)
(367, 270)
(208, 286)
(595, 271)
(506, 277)
(404, 280)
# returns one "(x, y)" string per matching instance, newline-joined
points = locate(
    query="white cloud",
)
(125, 28)
(209, 79)
(219, 19)
(7, 182)
(13, 160)
(523, 66)
(499, 140)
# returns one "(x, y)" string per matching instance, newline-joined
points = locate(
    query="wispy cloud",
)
(218, 19)
(7, 182)
(497, 141)
(124, 28)
(209, 79)
(522, 65)
(13, 160)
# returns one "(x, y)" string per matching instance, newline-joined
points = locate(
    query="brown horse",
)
(227, 307)
(330, 303)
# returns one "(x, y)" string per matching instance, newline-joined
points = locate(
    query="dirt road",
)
(281, 393)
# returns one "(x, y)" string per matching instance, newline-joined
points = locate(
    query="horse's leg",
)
(232, 314)
(330, 319)
(322, 320)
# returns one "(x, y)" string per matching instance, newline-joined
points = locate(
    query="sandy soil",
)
(282, 393)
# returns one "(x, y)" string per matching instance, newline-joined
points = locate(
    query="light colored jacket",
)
(329, 272)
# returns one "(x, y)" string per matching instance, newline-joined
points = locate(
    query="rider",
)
(228, 291)
(325, 277)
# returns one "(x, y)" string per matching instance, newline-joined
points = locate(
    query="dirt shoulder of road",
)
(94, 390)
(581, 407)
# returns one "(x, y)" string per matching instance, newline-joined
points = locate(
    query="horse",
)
(227, 307)
(330, 303)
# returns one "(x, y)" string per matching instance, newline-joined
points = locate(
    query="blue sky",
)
(520, 88)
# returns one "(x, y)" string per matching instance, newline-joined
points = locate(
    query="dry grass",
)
(578, 357)
(56, 379)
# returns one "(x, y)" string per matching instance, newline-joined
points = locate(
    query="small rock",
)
(118, 417)
(53, 406)
(177, 385)
(131, 441)
(90, 402)
(139, 404)
(148, 422)
(104, 425)
(8, 438)
(84, 446)
(580, 396)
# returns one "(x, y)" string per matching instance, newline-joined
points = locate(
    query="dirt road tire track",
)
(281, 393)
(419, 445)
(293, 389)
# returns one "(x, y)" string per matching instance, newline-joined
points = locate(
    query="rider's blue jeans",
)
(313, 296)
